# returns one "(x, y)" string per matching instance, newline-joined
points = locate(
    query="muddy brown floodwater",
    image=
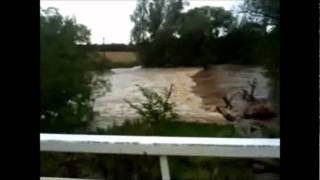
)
(196, 92)
(221, 80)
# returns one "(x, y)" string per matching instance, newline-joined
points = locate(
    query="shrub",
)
(65, 89)
(156, 108)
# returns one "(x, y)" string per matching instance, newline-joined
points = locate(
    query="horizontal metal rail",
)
(162, 146)
(55, 178)
(168, 146)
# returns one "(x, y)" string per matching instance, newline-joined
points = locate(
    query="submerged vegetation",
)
(157, 117)
(155, 108)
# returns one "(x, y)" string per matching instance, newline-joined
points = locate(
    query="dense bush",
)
(65, 73)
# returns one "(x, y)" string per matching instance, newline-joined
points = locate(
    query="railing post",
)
(164, 166)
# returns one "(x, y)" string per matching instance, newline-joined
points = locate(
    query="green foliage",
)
(69, 165)
(263, 11)
(211, 168)
(172, 128)
(206, 20)
(156, 108)
(122, 167)
(191, 43)
(271, 132)
(267, 12)
(108, 47)
(207, 35)
(152, 16)
(242, 44)
(65, 78)
(160, 52)
(272, 54)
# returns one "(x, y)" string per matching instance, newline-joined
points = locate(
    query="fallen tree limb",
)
(227, 113)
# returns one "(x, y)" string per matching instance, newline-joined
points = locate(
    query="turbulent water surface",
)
(194, 91)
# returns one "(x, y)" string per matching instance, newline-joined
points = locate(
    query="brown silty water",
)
(195, 94)
(221, 80)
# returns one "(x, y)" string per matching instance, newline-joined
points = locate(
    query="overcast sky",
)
(110, 19)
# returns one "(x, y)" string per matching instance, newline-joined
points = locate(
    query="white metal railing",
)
(162, 146)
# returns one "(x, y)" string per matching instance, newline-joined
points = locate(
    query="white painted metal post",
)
(165, 173)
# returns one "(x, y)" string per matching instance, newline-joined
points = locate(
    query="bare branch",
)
(228, 101)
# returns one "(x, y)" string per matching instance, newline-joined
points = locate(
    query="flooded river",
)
(195, 92)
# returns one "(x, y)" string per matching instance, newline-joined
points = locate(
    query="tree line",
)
(109, 47)
(166, 35)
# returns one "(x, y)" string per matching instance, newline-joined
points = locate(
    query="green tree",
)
(210, 21)
(272, 54)
(185, 39)
(152, 16)
(200, 28)
(242, 45)
(65, 81)
(267, 11)
(139, 18)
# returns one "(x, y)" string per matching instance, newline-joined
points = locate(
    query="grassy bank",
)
(172, 128)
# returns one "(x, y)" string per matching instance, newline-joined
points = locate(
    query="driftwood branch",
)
(228, 101)
(227, 113)
(249, 95)
(253, 85)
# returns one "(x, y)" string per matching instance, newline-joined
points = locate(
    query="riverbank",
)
(220, 80)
